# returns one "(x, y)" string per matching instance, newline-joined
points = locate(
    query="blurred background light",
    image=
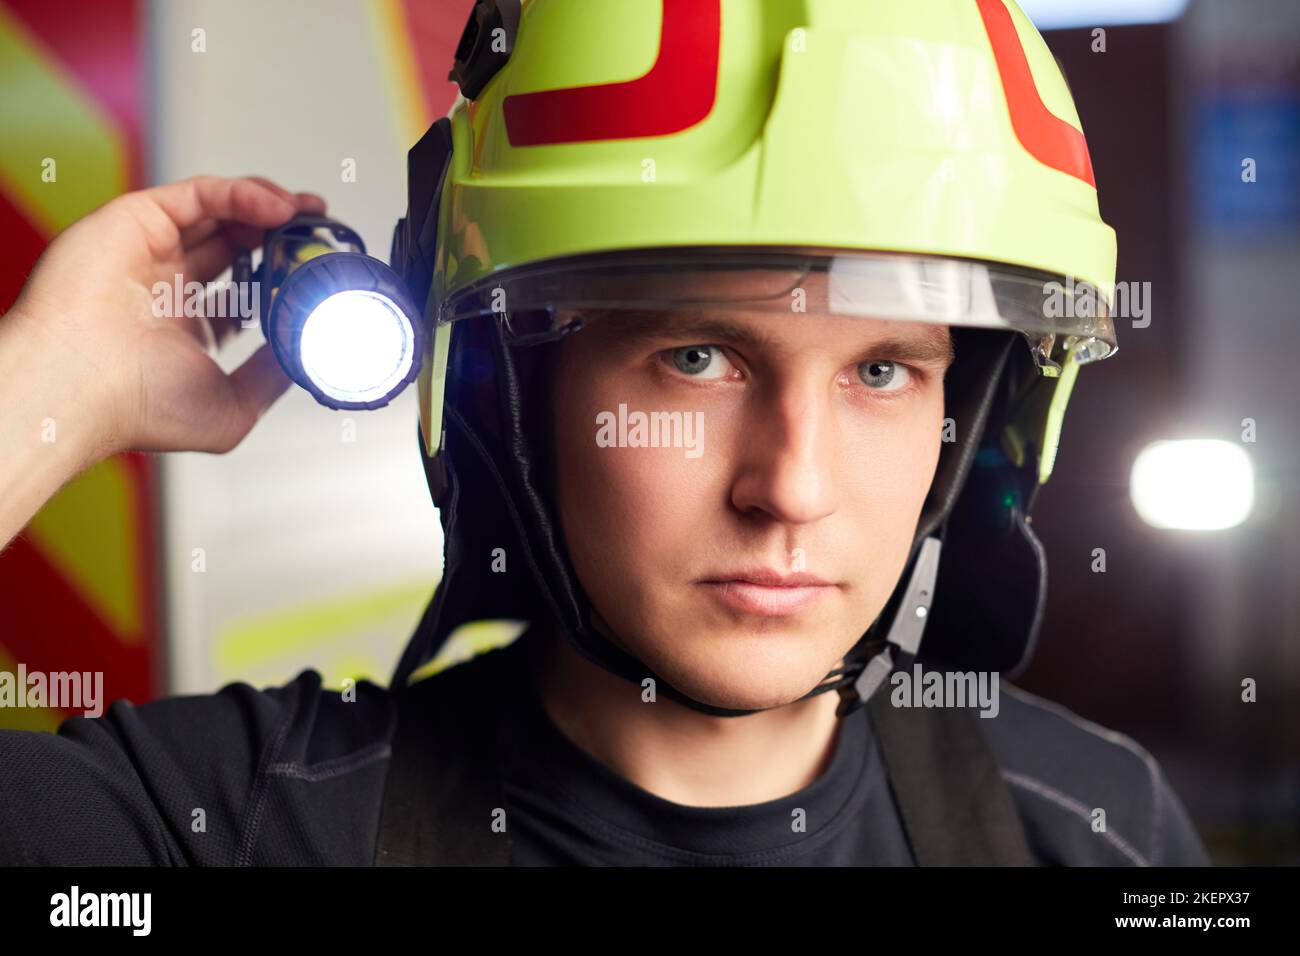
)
(1194, 485)
(1062, 14)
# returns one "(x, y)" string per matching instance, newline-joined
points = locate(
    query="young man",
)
(727, 354)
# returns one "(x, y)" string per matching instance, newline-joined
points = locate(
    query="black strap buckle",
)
(485, 45)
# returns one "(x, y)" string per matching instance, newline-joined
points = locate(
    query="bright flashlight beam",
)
(357, 346)
(1194, 485)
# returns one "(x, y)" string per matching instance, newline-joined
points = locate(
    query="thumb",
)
(257, 383)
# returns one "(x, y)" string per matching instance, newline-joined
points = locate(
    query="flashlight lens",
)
(357, 346)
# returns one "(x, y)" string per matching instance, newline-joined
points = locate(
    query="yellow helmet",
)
(939, 129)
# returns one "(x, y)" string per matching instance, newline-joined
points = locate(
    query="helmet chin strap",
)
(905, 631)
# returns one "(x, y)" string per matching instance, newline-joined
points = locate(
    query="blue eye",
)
(700, 361)
(884, 376)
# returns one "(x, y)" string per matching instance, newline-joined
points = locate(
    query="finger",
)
(243, 236)
(310, 202)
(230, 310)
(211, 257)
(258, 383)
(219, 320)
(271, 185)
(189, 201)
(199, 233)
(250, 390)
(202, 231)
(214, 255)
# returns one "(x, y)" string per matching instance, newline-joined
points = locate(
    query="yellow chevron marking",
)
(88, 532)
(469, 640)
(46, 114)
(26, 718)
(249, 642)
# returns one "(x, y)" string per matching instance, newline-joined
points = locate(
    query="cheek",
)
(617, 502)
(895, 461)
(628, 514)
(885, 490)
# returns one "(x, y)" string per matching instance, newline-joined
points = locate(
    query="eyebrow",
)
(935, 348)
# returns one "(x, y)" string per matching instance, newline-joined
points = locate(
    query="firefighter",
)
(825, 236)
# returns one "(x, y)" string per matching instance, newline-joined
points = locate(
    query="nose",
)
(786, 467)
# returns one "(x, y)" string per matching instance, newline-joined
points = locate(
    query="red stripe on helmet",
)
(1045, 136)
(676, 93)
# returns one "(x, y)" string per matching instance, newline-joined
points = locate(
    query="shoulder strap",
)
(956, 808)
(443, 790)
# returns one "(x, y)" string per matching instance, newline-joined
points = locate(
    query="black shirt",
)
(566, 807)
(294, 775)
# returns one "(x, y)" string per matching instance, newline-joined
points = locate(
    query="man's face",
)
(800, 445)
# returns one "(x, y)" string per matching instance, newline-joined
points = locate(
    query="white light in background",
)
(1194, 484)
(1061, 14)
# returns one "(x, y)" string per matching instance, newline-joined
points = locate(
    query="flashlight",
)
(340, 322)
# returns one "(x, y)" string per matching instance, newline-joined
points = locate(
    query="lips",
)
(767, 593)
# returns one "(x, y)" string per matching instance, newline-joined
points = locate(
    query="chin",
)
(743, 694)
(748, 672)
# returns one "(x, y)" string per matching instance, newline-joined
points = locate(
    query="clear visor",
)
(541, 302)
